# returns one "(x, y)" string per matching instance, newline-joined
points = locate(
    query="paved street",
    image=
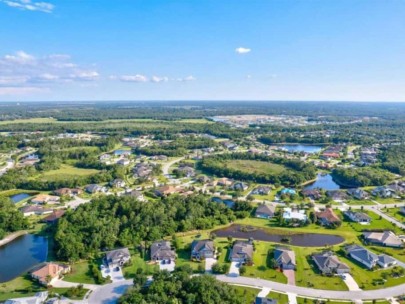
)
(316, 293)
(109, 294)
(386, 216)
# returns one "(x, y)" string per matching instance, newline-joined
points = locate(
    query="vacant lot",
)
(254, 166)
(66, 172)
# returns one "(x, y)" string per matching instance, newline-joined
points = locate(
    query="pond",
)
(20, 255)
(296, 239)
(302, 148)
(323, 181)
(19, 197)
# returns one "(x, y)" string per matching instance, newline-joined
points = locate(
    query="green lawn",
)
(261, 264)
(307, 274)
(80, 274)
(281, 298)
(254, 166)
(394, 212)
(66, 172)
(19, 287)
(65, 292)
(138, 262)
(246, 293)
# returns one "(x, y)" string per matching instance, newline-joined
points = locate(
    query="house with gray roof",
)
(357, 217)
(386, 261)
(386, 238)
(328, 263)
(263, 300)
(242, 252)
(285, 258)
(362, 255)
(265, 211)
(162, 251)
(117, 257)
(202, 249)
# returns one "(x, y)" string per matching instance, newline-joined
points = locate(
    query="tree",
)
(242, 270)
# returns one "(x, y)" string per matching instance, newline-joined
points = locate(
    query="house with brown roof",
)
(328, 218)
(285, 258)
(45, 199)
(49, 272)
(167, 190)
(54, 217)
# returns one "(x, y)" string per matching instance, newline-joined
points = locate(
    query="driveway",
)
(234, 269)
(350, 282)
(110, 293)
(290, 274)
(76, 202)
(208, 264)
(115, 275)
(166, 266)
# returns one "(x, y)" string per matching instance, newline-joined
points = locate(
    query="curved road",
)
(385, 293)
(166, 166)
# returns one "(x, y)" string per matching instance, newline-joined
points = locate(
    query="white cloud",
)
(157, 79)
(29, 5)
(249, 77)
(22, 70)
(154, 79)
(242, 50)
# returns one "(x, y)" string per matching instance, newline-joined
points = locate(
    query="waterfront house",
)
(45, 199)
(328, 218)
(265, 211)
(242, 252)
(34, 210)
(358, 193)
(386, 238)
(162, 251)
(261, 190)
(328, 263)
(285, 258)
(48, 273)
(202, 249)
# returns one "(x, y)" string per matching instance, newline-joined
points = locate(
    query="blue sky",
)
(207, 49)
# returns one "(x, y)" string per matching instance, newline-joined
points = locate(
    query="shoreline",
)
(11, 237)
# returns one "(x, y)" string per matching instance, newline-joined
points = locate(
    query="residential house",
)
(383, 192)
(358, 193)
(265, 211)
(123, 162)
(105, 157)
(285, 258)
(358, 217)
(313, 194)
(290, 214)
(117, 257)
(94, 188)
(328, 218)
(242, 252)
(337, 196)
(386, 238)
(34, 210)
(159, 157)
(203, 179)
(287, 191)
(143, 170)
(240, 186)
(397, 187)
(167, 190)
(362, 255)
(224, 182)
(68, 192)
(48, 273)
(186, 171)
(263, 300)
(367, 258)
(162, 251)
(117, 183)
(328, 263)
(45, 199)
(54, 216)
(202, 249)
(261, 190)
(136, 194)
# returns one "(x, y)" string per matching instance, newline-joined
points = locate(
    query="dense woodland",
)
(296, 171)
(393, 159)
(108, 222)
(11, 219)
(178, 287)
(361, 177)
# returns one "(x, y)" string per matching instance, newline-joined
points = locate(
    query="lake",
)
(323, 181)
(302, 148)
(296, 239)
(20, 255)
(19, 197)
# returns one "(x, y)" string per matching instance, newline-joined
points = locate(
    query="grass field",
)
(281, 298)
(247, 294)
(19, 287)
(394, 212)
(80, 274)
(66, 172)
(254, 166)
